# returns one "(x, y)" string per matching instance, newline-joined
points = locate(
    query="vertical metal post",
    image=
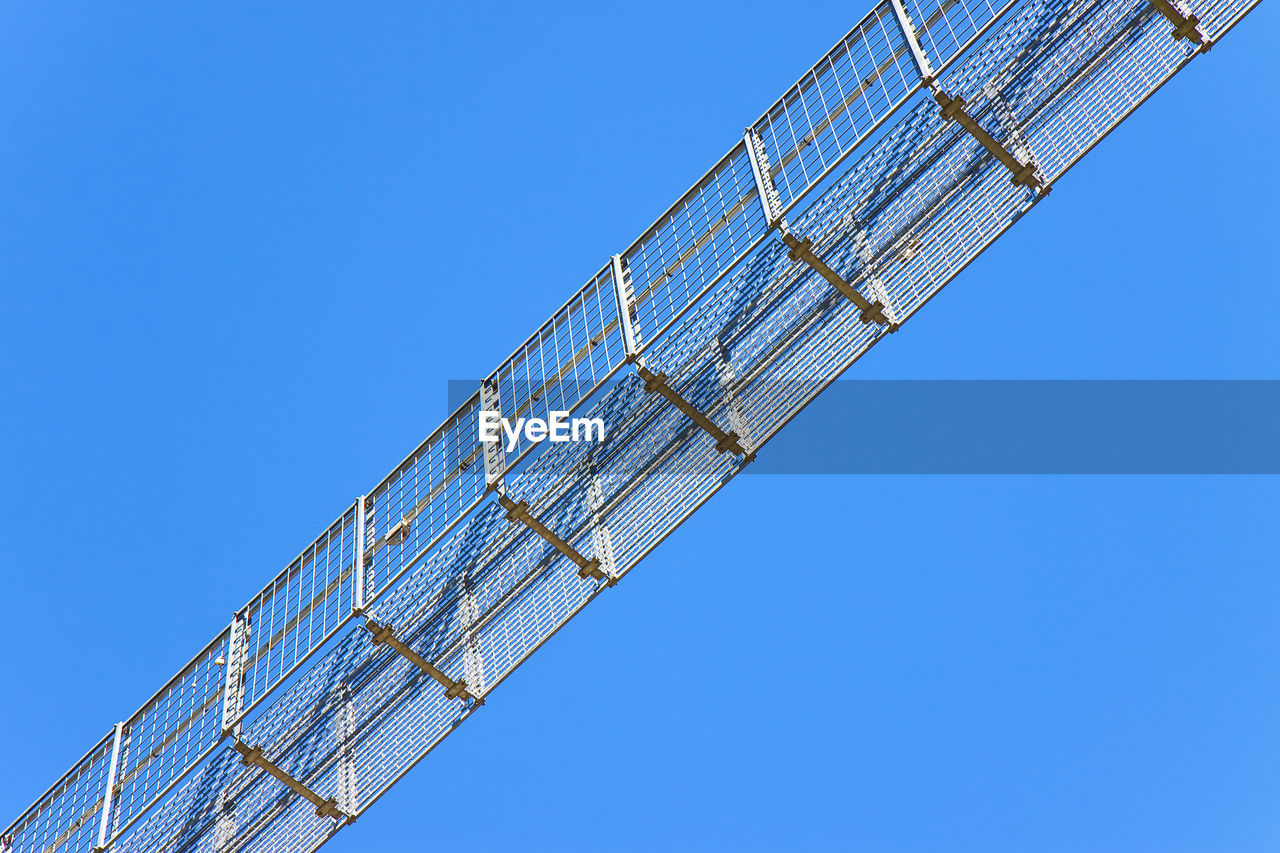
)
(233, 687)
(909, 33)
(351, 799)
(357, 598)
(494, 455)
(770, 202)
(472, 663)
(622, 288)
(108, 796)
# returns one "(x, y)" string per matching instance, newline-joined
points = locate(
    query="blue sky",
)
(243, 250)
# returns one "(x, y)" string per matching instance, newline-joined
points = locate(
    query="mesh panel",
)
(943, 27)
(694, 244)
(67, 817)
(424, 497)
(554, 370)
(172, 731)
(300, 609)
(829, 111)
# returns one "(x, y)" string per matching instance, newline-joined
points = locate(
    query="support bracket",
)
(252, 756)
(601, 541)
(349, 789)
(398, 531)
(1184, 26)
(519, 511)
(468, 613)
(872, 312)
(383, 634)
(725, 441)
(871, 273)
(1024, 174)
(737, 417)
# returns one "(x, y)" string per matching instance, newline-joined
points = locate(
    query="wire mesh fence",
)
(68, 815)
(837, 103)
(564, 362)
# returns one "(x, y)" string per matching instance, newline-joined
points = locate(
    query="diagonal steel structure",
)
(922, 136)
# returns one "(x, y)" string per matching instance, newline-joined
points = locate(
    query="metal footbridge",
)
(924, 134)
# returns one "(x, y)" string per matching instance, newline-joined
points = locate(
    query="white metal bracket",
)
(862, 248)
(770, 202)
(737, 418)
(252, 756)
(600, 538)
(398, 531)
(472, 663)
(349, 788)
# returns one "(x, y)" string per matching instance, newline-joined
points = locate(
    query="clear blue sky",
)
(243, 249)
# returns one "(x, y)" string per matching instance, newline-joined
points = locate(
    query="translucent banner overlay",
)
(1029, 427)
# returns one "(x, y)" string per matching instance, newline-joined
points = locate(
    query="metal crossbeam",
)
(252, 756)
(1184, 26)
(384, 635)
(872, 312)
(1024, 174)
(519, 511)
(726, 442)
